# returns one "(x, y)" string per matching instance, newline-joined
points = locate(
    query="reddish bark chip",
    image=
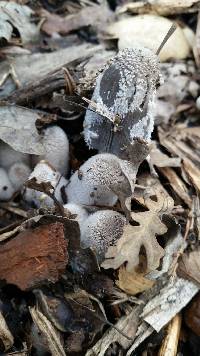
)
(34, 256)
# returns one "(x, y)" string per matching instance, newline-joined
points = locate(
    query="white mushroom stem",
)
(78, 210)
(56, 145)
(44, 173)
(18, 174)
(101, 230)
(6, 188)
(8, 156)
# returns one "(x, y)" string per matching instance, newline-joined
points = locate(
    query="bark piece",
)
(34, 256)
(171, 299)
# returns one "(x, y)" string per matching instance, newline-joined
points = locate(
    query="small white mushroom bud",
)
(18, 174)
(78, 210)
(56, 145)
(101, 180)
(6, 188)
(8, 156)
(44, 173)
(101, 230)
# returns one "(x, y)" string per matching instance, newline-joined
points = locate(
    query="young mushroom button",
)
(91, 184)
(6, 188)
(56, 146)
(101, 230)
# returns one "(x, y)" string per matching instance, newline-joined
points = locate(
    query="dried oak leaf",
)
(16, 16)
(133, 282)
(17, 129)
(129, 245)
(189, 266)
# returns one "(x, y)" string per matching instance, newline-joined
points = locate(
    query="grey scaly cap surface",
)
(125, 88)
(101, 230)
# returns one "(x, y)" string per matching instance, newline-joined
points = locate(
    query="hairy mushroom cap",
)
(8, 156)
(6, 188)
(90, 185)
(56, 146)
(78, 210)
(43, 173)
(101, 230)
(124, 97)
(18, 174)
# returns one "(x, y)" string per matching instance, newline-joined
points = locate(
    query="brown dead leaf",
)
(132, 282)
(160, 159)
(17, 129)
(189, 266)
(127, 248)
(156, 191)
(89, 15)
(177, 184)
(18, 16)
(192, 172)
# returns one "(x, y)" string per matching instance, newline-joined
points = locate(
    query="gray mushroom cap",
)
(6, 188)
(90, 185)
(101, 180)
(18, 174)
(57, 149)
(123, 101)
(101, 230)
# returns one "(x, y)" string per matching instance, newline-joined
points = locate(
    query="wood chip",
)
(34, 256)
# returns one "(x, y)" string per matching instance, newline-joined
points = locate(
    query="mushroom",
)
(101, 230)
(42, 175)
(18, 174)
(56, 145)
(101, 180)
(78, 210)
(9, 156)
(6, 188)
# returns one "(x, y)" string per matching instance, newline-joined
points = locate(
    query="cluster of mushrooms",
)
(107, 176)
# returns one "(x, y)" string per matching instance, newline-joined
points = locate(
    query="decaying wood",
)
(171, 299)
(43, 63)
(34, 256)
(170, 343)
(129, 326)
